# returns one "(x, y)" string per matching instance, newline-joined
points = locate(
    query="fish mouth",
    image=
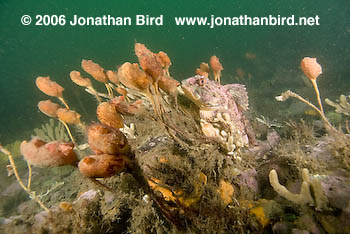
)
(190, 94)
(209, 105)
(193, 96)
(196, 98)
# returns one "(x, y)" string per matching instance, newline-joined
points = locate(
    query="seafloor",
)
(196, 187)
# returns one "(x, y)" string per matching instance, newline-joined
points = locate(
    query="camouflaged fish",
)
(221, 110)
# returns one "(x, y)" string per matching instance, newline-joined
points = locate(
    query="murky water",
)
(265, 58)
(29, 51)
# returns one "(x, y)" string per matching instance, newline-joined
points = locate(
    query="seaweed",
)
(51, 132)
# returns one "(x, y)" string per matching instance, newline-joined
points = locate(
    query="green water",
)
(30, 51)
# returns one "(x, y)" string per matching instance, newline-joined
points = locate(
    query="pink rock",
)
(52, 154)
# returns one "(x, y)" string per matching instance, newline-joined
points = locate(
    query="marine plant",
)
(342, 106)
(51, 132)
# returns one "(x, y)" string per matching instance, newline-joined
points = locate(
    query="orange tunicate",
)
(204, 67)
(95, 70)
(121, 91)
(102, 165)
(68, 116)
(165, 61)
(126, 108)
(106, 140)
(240, 73)
(66, 206)
(216, 67)
(52, 154)
(112, 76)
(200, 72)
(311, 68)
(226, 191)
(250, 55)
(79, 80)
(150, 62)
(49, 87)
(133, 77)
(168, 85)
(49, 108)
(107, 114)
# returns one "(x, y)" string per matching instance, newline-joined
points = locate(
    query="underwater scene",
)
(175, 116)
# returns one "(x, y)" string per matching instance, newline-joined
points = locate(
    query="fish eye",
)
(201, 81)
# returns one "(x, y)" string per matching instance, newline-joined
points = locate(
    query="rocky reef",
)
(183, 157)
